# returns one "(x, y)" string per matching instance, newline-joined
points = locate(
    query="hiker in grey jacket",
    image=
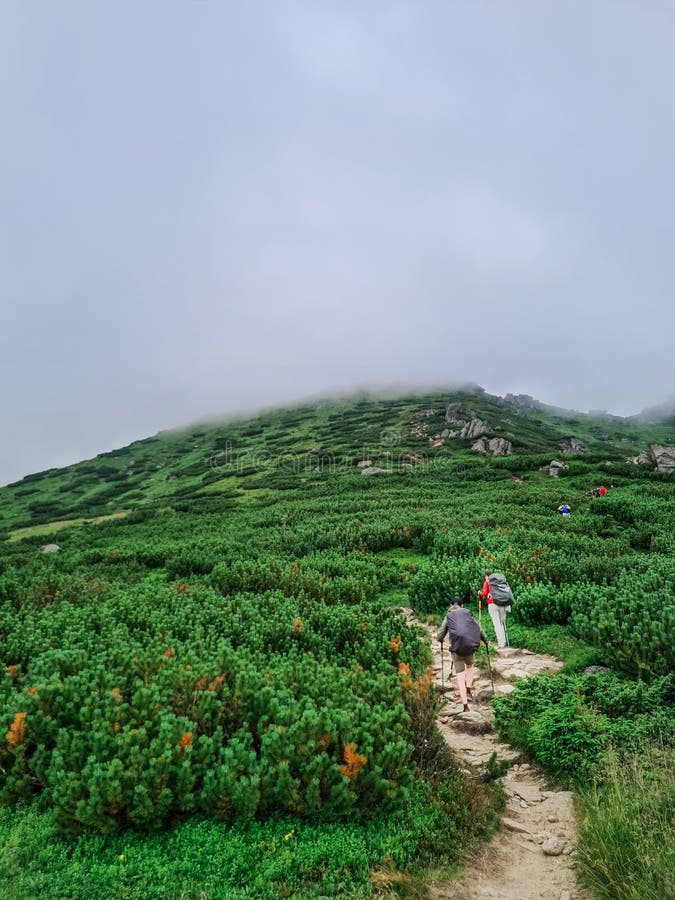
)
(465, 636)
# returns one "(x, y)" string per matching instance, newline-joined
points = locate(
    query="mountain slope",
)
(285, 447)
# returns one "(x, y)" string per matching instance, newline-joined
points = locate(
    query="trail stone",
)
(527, 792)
(518, 673)
(552, 818)
(506, 652)
(49, 548)
(553, 847)
(512, 825)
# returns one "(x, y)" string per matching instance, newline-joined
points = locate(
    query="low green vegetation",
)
(626, 846)
(216, 695)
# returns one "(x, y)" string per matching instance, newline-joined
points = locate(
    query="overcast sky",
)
(208, 206)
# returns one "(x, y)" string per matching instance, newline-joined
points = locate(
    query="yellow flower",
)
(121, 857)
(290, 834)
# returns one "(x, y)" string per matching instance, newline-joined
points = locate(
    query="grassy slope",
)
(298, 463)
(226, 457)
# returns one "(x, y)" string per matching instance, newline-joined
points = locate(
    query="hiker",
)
(465, 637)
(565, 509)
(497, 608)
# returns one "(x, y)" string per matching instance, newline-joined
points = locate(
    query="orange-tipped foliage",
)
(403, 669)
(297, 624)
(185, 740)
(200, 683)
(419, 687)
(116, 694)
(168, 653)
(11, 670)
(395, 644)
(354, 762)
(216, 683)
(16, 732)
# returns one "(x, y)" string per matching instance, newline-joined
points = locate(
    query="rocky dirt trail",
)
(530, 857)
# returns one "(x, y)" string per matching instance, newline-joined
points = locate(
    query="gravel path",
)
(530, 857)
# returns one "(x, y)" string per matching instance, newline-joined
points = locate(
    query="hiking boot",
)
(466, 707)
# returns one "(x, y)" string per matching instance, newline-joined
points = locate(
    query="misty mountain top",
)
(663, 413)
(310, 445)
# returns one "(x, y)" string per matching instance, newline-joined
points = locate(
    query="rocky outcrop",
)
(500, 447)
(364, 464)
(554, 467)
(474, 429)
(664, 457)
(494, 447)
(49, 548)
(642, 459)
(456, 414)
(658, 457)
(573, 445)
(375, 470)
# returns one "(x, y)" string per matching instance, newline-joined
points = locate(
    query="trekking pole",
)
(492, 681)
(480, 609)
(442, 672)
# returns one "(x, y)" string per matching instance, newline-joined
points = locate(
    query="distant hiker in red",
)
(498, 609)
(465, 637)
(602, 490)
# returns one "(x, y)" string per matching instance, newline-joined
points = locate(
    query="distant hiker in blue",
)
(564, 509)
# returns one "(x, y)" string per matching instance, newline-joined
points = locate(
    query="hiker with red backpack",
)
(497, 593)
(465, 637)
